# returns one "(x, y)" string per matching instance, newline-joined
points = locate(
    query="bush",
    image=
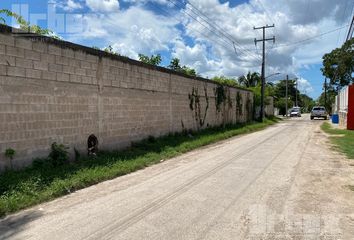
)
(10, 153)
(58, 155)
(151, 139)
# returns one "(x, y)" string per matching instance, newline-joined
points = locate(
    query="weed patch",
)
(43, 180)
(344, 142)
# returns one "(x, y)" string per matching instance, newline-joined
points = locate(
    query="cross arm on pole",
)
(266, 26)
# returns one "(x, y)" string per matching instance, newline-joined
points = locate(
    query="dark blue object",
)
(335, 118)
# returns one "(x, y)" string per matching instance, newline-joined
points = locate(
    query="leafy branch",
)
(26, 26)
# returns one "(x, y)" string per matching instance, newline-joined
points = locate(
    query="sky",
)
(215, 37)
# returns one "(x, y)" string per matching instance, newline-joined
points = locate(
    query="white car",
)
(295, 112)
(319, 112)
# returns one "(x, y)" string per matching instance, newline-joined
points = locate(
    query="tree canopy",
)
(153, 60)
(338, 65)
(250, 80)
(26, 26)
(225, 81)
(277, 90)
(175, 65)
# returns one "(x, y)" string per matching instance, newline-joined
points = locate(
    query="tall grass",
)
(42, 182)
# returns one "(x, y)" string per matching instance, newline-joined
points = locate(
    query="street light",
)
(278, 73)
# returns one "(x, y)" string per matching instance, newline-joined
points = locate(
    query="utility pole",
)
(296, 94)
(325, 93)
(350, 30)
(286, 95)
(263, 40)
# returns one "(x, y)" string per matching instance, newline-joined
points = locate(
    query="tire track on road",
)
(244, 190)
(140, 213)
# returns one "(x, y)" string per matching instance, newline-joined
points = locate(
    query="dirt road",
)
(280, 183)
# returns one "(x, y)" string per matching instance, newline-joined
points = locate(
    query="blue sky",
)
(214, 37)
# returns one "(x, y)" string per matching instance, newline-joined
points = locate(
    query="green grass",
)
(343, 143)
(42, 182)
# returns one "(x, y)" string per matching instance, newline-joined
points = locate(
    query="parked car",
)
(319, 112)
(295, 112)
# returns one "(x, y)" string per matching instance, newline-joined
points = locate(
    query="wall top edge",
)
(4, 29)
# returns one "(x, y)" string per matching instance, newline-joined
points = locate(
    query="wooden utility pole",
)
(296, 93)
(350, 30)
(263, 40)
(286, 95)
(325, 93)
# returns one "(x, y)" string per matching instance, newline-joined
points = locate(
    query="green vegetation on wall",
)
(26, 26)
(195, 105)
(153, 60)
(220, 96)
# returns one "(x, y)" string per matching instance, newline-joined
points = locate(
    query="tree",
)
(281, 105)
(250, 80)
(153, 60)
(225, 81)
(307, 103)
(278, 91)
(327, 103)
(189, 71)
(175, 65)
(338, 65)
(26, 26)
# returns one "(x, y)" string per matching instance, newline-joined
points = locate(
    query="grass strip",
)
(42, 182)
(343, 143)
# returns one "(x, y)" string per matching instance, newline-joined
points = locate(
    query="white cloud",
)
(69, 5)
(141, 2)
(304, 86)
(237, 22)
(129, 34)
(103, 5)
(141, 29)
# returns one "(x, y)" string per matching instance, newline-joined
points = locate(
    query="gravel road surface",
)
(284, 182)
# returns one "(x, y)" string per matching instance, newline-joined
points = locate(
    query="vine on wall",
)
(223, 102)
(229, 100)
(194, 104)
(220, 96)
(239, 104)
(249, 107)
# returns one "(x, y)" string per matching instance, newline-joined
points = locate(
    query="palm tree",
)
(250, 80)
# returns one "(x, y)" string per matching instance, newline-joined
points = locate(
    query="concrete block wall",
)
(343, 119)
(54, 91)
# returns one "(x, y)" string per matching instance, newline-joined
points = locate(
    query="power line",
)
(214, 25)
(266, 12)
(351, 28)
(217, 41)
(344, 11)
(308, 39)
(208, 20)
(350, 31)
(205, 27)
(211, 27)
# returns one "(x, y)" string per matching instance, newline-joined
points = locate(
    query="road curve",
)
(280, 183)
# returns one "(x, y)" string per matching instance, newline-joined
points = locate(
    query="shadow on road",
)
(12, 225)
